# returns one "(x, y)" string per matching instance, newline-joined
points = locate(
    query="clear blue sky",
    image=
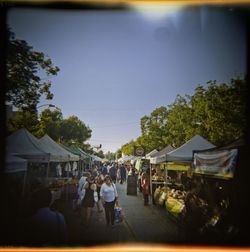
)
(117, 66)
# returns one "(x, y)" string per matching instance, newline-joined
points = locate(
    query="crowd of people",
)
(44, 224)
(97, 187)
(101, 181)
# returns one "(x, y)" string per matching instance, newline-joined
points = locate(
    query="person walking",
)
(99, 183)
(82, 181)
(109, 196)
(88, 201)
(104, 170)
(123, 174)
(145, 181)
(113, 173)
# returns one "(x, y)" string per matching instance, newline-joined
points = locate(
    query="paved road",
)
(142, 224)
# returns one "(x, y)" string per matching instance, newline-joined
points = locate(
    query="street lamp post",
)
(49, 105)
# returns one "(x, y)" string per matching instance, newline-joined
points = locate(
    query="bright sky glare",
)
(118, 65)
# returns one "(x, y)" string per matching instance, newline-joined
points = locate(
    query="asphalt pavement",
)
(141, 224)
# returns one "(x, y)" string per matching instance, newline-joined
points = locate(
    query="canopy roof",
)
(152, 153)
(96, 158)
(84, 155)
(185, 152)
(56, 150)
(237, 144)
(160, 156)
(15, 164)
(23, 144)
(77, 151)
(128, 158)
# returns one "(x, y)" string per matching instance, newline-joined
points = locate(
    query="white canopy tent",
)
(15, 164)
(161, 155)
(151, 154)
(23, 144)
(185, 152)
(127, 158)
(56, 150)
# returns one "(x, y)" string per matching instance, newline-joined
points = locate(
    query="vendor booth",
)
(15, 171)
(177, 167)
(157, 172)
(214, 171)
(41, 155)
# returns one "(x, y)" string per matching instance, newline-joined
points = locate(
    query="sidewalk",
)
(147, 223)
(141, 224)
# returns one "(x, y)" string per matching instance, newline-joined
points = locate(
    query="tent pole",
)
(166, 175)
(67, 185)
(47, 183)
(150, 175)
(24, 183)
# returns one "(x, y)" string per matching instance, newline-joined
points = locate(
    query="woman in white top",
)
(109, 196)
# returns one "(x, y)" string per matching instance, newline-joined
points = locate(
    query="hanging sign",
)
(218, 163)
(139, 151)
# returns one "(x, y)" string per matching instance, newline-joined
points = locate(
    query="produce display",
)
(157, 178)
(56, 184)
(174, 206)
(176, 194)
(172, 199)
(160, 195)
(175, 201)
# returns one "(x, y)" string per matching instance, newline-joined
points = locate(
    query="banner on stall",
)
(175, 166)
(218, 163)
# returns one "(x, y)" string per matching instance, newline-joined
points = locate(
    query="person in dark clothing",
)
(99, 182)
(45, 227)
(122, 174)
(145, 182)
(88, 202)
(104, 170)
(113, 173)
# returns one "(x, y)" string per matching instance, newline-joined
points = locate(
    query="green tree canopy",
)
(24, 86)
(128, 149)
(220, 110)
(153, 130)
(216, 111)
(110, 155)
(22, 119)
(50, 124)
(74, 130)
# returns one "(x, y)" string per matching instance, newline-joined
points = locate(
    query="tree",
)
(221, 110)
(74, 130)
(118, 154)
(110, 155)
(153, 129)
(128, 149)
(22, 119)
(180, 122)
(99, 154)
(50, 124)
(216, 111)
(24, 87)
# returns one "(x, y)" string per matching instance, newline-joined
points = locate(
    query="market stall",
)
(215, 169)
(63, 156)
(172, 194)
(177, 168)
(157, 172)
(43, 156)
(15, 171)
